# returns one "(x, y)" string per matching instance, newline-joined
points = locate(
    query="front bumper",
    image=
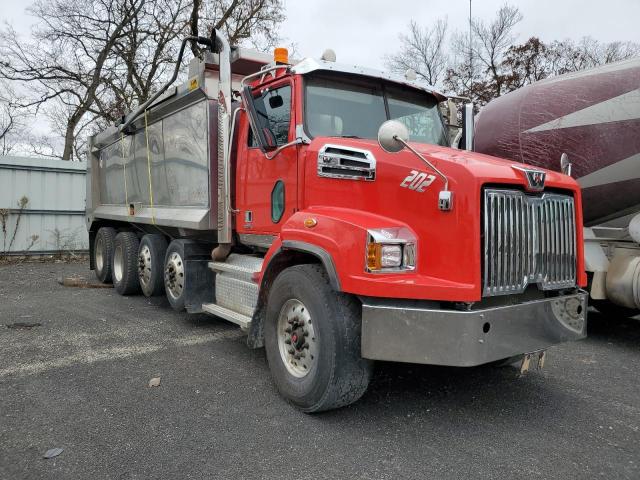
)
(406, 331)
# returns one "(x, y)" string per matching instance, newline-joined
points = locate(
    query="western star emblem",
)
(535, 178)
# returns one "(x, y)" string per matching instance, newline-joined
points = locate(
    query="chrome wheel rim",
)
(174, 275)
(297, 340)
(144, 266)
(118, 263)
(99, 254)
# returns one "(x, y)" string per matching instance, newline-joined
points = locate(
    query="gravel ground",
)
(79, 381)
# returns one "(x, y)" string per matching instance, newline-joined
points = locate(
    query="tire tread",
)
(109, 236)
(351, 373)
(130, 283)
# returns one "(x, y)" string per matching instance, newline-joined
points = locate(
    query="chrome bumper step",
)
(234, 317)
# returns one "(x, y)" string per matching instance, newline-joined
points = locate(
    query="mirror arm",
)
(431, 165)
(297, 141)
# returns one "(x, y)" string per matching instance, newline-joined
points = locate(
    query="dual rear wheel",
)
(130, 263)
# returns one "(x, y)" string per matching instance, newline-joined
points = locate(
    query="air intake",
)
(336, 161)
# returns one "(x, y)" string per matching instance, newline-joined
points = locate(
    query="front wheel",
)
(312, 341)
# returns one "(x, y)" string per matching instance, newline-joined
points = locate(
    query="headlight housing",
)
(390, 250)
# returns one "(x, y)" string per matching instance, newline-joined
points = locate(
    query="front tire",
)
(125, 263)
(103, 253)
(312, 341)
(153, 249)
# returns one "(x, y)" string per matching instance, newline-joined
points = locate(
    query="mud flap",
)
(532, 361)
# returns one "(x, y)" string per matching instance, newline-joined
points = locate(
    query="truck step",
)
(239, 266)
(239, 319)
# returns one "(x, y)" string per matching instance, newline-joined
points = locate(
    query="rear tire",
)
(312, 341)
(125, 263)
(153, 248)
(103, 253)
(175, 269)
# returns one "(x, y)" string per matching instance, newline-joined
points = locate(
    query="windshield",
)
(339, 108)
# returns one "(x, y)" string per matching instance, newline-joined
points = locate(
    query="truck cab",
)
(343, 229)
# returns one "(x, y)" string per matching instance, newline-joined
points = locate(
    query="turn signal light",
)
(374, 256)
(281, 55)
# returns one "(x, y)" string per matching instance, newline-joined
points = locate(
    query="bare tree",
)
(144, 57)
(570, 56)
(483, 79)
(90, 61)
(423, 50)
(255, 21)
(13, 120)
(64, 61)
(493, 39)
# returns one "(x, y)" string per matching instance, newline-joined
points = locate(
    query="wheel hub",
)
(174, 275)
(99, 254)
(144, 266)
(296, 338)
(118, 263)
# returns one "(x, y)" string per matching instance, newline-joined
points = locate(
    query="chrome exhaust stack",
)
(221, 45)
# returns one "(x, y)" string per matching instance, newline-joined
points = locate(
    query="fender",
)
(337, 240)
(342, 234)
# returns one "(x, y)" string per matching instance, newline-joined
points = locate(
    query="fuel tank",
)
(593, 116)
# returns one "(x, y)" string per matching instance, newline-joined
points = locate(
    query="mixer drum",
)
(593, 116)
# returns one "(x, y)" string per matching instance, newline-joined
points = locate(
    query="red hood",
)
(484, 168)
(447, 240)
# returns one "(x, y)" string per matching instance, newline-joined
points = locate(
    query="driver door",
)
(267, 193)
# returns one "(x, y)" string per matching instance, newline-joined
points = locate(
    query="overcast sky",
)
(362, 31)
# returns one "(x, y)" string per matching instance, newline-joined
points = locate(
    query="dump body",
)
(161, 174)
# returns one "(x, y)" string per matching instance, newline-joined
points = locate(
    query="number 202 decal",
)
(417, 181)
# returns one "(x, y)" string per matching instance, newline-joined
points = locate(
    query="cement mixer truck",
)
(586, 124)
(320, 207)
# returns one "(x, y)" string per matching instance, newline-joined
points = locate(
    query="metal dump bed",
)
(164, 171)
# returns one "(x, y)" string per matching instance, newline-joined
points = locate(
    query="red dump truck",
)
(320, 207)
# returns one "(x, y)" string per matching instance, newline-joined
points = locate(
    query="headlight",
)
(390, 249)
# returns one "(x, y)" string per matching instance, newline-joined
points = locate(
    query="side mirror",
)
(276, 101)
(390, 134)
(565, 164)
(467, 126)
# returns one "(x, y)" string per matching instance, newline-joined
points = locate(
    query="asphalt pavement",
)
(75, 366)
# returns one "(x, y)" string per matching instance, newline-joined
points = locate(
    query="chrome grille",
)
(528, 239)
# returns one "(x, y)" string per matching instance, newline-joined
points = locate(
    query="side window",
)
(277, 201)
(274, 113)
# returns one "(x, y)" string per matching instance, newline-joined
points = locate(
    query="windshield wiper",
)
(344, 136)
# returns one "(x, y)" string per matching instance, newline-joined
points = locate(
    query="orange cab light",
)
(310, 222)
(374, 256)
(281, 55)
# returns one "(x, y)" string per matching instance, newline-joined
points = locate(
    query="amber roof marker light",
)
(281, 56)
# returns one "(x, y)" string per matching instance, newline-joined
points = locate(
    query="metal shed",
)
(52, 217)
